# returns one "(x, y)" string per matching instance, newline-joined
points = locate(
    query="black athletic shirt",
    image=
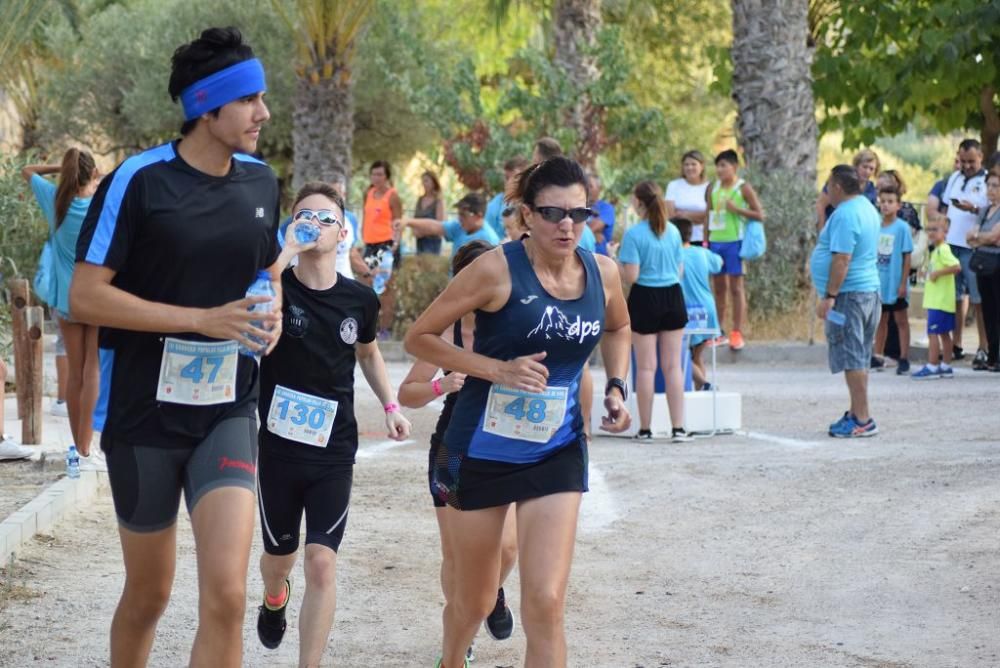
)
(437, 438)
(316, 355)
(177, 236)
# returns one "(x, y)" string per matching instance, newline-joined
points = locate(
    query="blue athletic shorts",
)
(732, 265)
(940, 322)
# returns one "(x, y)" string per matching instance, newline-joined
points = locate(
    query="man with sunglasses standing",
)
(469, 226)
(309, 434)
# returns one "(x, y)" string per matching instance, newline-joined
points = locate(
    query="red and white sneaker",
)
(736, 341)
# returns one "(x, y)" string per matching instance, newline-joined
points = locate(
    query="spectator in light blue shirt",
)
(845, 274)
(603, 223)
(494, 210)
(469, 226)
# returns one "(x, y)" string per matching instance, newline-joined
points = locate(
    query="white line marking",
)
(779, 440)
(598, 509)
(380, 448)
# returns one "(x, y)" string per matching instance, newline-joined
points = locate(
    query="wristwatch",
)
(829, 296)
(619, 384)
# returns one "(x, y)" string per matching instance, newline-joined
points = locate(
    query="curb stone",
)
(50, 506)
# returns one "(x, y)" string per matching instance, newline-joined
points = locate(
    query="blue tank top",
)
(530, 322)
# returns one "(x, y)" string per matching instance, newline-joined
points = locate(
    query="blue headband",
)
(236, 81)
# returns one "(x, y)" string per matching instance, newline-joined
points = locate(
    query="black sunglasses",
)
(554, 214)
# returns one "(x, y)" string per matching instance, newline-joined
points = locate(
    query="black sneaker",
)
(979, 362)
(877, 363)
(500, 623)
(957, 353)
(680, 436)
(904, 367)
(271, 624)
(644, 435)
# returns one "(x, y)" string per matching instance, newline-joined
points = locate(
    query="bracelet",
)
(436, 386)
(391, 407)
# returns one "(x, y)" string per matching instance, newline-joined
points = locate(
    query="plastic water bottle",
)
(72, 462)
(383, 272)
(306, 233)
(260, 287)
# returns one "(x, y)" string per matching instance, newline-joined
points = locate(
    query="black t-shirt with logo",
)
(178, 236)
(316, 356)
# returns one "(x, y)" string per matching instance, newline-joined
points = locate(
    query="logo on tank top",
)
(529, 299)
(554, 324)
(349, 331)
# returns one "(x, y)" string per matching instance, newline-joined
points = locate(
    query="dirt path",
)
(780, 548)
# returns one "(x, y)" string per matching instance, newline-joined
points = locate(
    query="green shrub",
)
(776, 282)
(420, 280)
(23, 232)
(23, 229)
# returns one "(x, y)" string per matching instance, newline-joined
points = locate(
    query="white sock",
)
(945, 367)
(933, 367)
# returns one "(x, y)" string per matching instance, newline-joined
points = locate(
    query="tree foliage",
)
(880, 65)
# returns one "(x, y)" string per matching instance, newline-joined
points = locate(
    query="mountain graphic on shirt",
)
(553, 323)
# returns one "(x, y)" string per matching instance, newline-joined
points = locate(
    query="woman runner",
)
(516, 434)
(419, 388)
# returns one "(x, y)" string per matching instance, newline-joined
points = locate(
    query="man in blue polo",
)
(845, 274)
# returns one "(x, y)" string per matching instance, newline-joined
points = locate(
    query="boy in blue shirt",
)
(699, 264)
(894, 248)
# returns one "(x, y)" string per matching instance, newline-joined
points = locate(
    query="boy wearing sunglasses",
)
(308, 434)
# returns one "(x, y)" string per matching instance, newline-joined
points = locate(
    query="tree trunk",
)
(991, 121)
(574, 32)
(323, 128)
(772, 85)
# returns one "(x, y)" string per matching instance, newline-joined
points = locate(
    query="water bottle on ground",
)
(306, 232)
(260, 287)
(383, 272)
(73, 462)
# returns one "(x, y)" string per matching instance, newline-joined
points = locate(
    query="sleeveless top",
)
(437, 438)
(530, 322)
(430, 245)
(377, 227)
(724, 225)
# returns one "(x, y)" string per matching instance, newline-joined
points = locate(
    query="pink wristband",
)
(391, 407)
(436, 386)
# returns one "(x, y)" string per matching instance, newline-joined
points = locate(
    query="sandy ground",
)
(778, 547)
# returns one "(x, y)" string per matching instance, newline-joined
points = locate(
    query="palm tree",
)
(572, 34)
(772, 84)
(18, 81)
(327, 32)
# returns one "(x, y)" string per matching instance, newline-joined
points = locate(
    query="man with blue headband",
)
(172, 239)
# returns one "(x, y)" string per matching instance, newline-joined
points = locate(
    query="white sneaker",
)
(11, 449)
(59, 409)
(91, 463)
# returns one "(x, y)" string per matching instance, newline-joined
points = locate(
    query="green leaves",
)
(903, 59)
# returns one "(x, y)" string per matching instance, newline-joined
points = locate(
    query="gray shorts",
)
(965, 280)
(146, 482)
(850, 344)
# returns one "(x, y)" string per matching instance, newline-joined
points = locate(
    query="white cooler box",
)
(698, 416)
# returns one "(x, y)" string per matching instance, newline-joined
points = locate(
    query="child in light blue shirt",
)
(895, 245)
(699, 264)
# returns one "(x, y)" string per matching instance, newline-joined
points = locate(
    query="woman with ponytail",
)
(65, 206)
(652, 263)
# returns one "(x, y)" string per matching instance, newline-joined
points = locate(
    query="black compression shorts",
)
(146, 482)
(287, 488)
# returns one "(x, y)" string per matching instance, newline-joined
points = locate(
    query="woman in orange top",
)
(382, 207)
